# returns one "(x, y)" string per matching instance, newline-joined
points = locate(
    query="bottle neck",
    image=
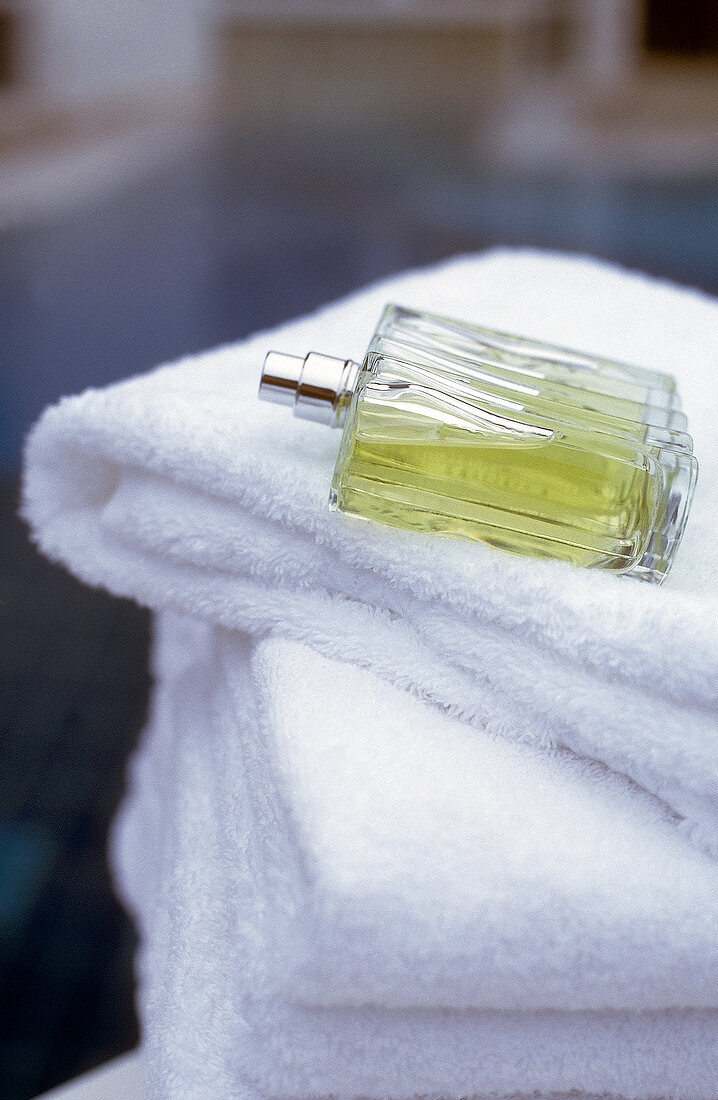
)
(317, 387)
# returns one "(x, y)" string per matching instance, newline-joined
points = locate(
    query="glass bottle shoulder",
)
(540, 358)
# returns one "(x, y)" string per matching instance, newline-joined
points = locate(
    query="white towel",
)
(503, 883)
(344, 892)
(182, 490)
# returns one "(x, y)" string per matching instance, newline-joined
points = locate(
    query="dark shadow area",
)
(9, 47)
(688, 29)
(74, 684)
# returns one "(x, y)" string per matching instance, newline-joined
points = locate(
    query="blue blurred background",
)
(174, 176)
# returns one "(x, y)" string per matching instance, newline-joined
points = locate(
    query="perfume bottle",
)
(456, 429)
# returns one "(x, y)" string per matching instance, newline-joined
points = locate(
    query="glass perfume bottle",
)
(456, 429)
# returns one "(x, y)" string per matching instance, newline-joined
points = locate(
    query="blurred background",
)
(176, 174)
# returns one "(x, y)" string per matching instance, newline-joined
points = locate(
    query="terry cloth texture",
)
(534, 909)
(344, 892)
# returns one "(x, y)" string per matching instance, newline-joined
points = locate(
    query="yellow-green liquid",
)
(550, 500)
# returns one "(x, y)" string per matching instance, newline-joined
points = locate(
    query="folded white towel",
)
(343, 892)
(482, 885)
(182, 490)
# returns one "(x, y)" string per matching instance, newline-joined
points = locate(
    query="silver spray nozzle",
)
(318, 387)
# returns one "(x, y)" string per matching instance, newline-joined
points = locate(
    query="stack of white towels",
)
(412, 817)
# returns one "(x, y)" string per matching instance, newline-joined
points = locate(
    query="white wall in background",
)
(79, 51)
